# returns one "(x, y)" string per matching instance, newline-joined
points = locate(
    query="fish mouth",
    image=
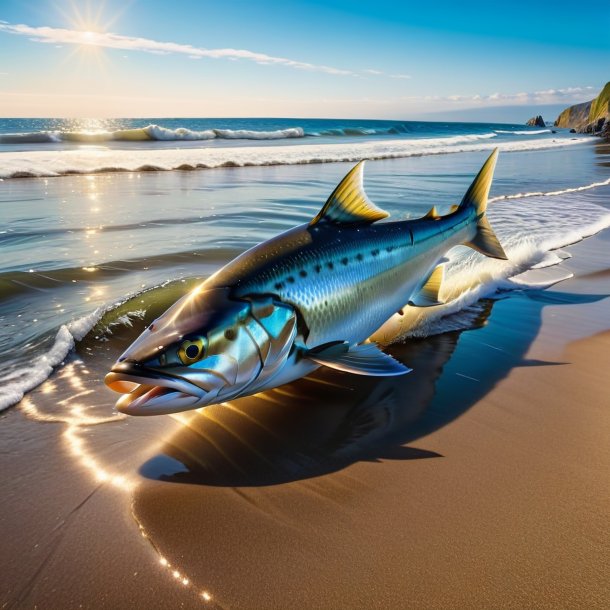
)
(151, 392)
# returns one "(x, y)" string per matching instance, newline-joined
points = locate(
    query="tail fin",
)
(485, 241)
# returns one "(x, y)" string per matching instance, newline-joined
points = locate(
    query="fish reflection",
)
(314, 425)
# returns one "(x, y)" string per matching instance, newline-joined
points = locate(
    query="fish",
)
(309, 297)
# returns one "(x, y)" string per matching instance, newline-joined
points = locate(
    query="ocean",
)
(52, 147)
(96, 240)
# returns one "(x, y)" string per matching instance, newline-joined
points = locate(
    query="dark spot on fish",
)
(330, 265)
(230, 334)
(151, 327)
(344, 261)
(290, 279)
(375, 252)
(359, 256)
(318, 268)
(279, 285)
(389, 249)
(303, 273)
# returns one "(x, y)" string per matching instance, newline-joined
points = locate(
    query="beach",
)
(479, 480)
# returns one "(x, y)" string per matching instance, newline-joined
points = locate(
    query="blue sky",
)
(298, 59)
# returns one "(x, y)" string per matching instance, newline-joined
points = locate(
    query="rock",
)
(536, 121)
(572, 130)
(588, 117)
(574, 116)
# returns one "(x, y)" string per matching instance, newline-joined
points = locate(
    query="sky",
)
(331, 58)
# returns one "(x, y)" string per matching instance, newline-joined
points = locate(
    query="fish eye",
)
(192, 350)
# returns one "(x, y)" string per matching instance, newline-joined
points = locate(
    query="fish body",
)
(308, 297)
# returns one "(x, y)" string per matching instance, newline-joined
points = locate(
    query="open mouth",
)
(147, 393)
(155, 398)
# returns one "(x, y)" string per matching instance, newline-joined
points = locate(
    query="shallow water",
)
(74, 248)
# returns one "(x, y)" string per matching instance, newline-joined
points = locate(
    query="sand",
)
(491, 490)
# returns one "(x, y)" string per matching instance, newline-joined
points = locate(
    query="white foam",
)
(531, 233)
(161, 133)
(89, 160)
(39, 369)
(529, 132)
(574, 189)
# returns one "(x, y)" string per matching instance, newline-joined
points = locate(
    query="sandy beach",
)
(489, 490)
(304, 306)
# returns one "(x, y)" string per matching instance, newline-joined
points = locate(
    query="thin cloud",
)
(381, 73)
(109, 40)
(545, 96)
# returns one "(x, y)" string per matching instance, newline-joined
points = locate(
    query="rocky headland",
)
(589, 117)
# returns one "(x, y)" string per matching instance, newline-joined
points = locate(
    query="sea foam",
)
(20, 164)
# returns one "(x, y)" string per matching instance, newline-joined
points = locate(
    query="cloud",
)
(130, 43)
(545, 96)
(381, 73)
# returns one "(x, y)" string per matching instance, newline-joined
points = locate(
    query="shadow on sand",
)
(328, 420)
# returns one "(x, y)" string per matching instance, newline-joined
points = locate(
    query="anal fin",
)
(428, 294)
(365, 359)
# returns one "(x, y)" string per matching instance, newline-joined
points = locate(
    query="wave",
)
(529, 132)
(573, 189)
(154, 132)
(19, 383)
(40, 163)
(150, 132)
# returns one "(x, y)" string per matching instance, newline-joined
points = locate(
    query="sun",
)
(88, 20)
(89, 17)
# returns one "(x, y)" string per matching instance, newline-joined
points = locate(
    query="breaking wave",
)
(41, 163)
(150, 132)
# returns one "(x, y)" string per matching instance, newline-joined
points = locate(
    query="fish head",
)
(207, 348)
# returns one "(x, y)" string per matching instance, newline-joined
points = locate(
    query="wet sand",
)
(481, 482)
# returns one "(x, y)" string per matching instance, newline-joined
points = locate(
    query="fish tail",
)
(485, 240)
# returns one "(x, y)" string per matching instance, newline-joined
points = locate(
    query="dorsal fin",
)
(433, 213)
(348, 203)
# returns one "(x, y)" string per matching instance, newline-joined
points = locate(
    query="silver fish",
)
(309, 297)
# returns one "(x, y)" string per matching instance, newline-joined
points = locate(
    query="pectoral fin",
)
(366, 359)
(427, 296)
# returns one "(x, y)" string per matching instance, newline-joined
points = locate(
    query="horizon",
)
(145, 60)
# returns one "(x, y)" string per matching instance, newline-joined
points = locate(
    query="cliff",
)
(589, 117)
